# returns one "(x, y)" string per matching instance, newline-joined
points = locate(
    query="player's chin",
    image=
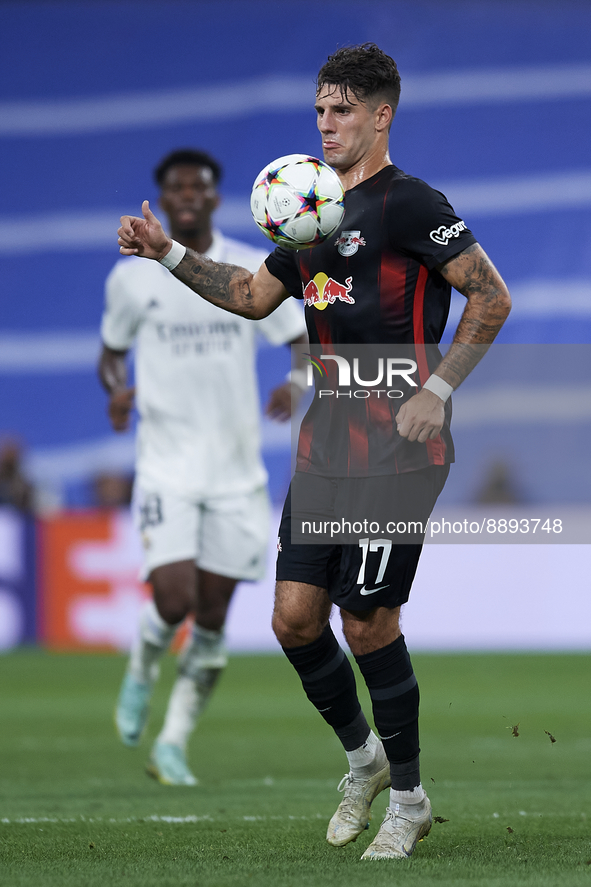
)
(335, 161)
(333, 157)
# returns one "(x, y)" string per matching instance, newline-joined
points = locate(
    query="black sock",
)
(329, 683)
(394, 694)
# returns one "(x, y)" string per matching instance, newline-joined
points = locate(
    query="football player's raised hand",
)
(143, 237)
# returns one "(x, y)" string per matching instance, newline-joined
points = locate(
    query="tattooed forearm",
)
(473, 274)
(227, 286)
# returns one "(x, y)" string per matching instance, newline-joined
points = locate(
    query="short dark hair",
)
(187, 157)
(365, 70)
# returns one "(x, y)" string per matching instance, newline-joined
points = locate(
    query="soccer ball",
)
(297, 201)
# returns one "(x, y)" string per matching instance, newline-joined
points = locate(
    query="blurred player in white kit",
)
(200, 489)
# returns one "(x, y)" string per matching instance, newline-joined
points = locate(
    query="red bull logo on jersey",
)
(323, 290)
(349, 242)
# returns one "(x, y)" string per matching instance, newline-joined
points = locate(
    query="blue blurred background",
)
(494, 112)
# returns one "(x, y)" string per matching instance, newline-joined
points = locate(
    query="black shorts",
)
(379, 569)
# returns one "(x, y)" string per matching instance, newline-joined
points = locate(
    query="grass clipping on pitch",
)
(506, 745)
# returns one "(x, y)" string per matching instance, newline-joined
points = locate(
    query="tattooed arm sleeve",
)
(230, 287)
(474, 275)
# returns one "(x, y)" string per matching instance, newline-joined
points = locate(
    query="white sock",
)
(368, 758)
(205, 648)
(200, 665)
(154, 637)
(411, 798)
(181, 714)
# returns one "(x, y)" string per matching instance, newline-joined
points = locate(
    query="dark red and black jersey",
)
(374, 282)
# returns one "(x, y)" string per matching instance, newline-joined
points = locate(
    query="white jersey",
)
(196, 387)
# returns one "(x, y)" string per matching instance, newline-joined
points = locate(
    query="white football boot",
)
(399, 833)
(353, 814)
(168, 765)
(131, 712)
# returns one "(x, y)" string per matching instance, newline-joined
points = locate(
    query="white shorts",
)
(226, 535)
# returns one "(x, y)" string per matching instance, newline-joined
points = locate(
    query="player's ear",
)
(383, 116)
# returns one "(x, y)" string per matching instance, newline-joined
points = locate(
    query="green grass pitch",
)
(77, 809)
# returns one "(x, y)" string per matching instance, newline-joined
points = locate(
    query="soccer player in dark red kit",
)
(393, 262)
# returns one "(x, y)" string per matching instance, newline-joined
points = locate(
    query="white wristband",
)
(299, 378)
(438, 386)
(174, 256)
